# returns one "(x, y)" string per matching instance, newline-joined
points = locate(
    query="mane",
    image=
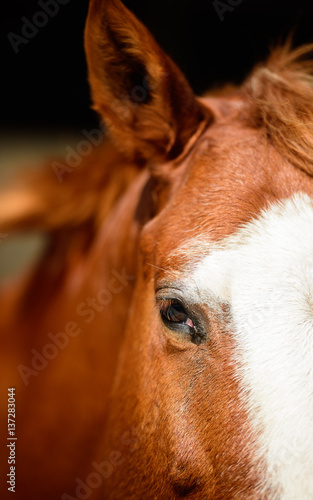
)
(280, 94)
(38, 201)
(70, 214)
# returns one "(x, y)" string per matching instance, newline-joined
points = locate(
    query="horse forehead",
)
(276, 247)
(227, 180)
(213, 180)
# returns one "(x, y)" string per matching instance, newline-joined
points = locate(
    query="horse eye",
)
(174, 312)
(176, 317)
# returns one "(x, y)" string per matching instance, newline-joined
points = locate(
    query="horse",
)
(162, 346)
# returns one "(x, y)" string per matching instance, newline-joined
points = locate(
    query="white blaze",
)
(265, 272)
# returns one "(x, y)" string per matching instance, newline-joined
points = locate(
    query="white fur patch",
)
(265, 272)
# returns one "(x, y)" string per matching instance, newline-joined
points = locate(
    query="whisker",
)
(157, 267)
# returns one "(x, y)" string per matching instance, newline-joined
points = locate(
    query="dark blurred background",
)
(44, 85)
(45, 102)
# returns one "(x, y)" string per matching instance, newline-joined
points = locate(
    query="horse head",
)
(206, 351)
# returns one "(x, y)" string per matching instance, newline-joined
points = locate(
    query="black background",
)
(44, 86)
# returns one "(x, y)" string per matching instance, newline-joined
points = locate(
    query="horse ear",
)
(142, 96)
